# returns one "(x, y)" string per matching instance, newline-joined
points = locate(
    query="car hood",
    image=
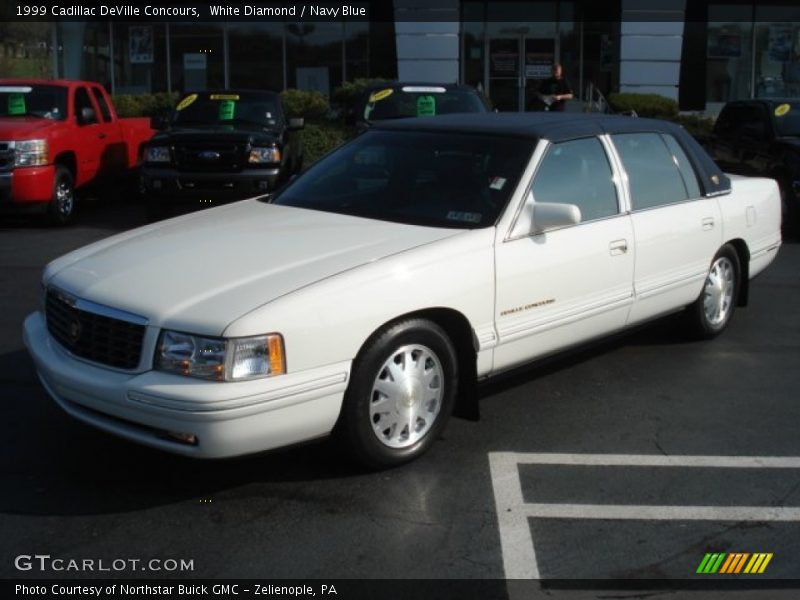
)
(200, 272)
(14, 128)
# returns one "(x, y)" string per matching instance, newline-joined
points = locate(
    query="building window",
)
(314, 56)
(140, 58)
(777, 56)
(255, 55)
(197, 56)
(357, 50)
(729, 52)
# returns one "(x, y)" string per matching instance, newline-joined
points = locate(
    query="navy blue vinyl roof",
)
(552, 126)
(560, 127)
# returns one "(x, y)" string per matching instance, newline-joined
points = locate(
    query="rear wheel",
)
(713, 309)
(62, 204)
(401, 393)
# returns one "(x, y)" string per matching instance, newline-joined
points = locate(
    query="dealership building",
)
(699, 52)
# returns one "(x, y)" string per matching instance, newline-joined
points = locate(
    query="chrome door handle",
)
(708, 223)
(618, 247)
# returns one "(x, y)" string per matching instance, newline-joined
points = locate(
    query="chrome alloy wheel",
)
(65, 197)
(406, 396)
(718, 291)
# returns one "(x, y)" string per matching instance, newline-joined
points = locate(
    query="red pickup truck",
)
(59, 136)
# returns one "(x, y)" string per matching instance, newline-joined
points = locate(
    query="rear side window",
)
(101, 102)
(684, 166)
(654, 173)
(577, 172)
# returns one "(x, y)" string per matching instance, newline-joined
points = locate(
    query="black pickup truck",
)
(220, 146)
(762, 137)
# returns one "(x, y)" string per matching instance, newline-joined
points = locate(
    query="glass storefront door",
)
(516, 65)
(506, 86)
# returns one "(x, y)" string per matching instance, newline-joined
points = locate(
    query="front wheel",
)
(62, 204)
(401, 393)
(713, 309)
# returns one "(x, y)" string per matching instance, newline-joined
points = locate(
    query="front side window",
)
(654, 174)
(82, 102)
(453, 180)
(578, 172)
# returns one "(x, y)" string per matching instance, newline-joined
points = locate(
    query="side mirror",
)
(296, 123)
(553, 215)
(159, 122)
(87, 116)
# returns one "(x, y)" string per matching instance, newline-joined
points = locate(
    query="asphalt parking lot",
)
(631, 459)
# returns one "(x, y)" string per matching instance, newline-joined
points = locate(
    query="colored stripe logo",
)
(733, 563)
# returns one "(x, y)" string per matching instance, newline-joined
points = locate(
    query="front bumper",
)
(26, 189)
(228, 419)
(172, 186)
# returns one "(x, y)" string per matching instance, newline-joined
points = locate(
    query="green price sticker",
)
(227, 108)
(16, 104)
(426, 106)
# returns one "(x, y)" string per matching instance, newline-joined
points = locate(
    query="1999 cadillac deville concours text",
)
(367, 297)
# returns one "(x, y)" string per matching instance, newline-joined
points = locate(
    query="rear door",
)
(677, 231)
(113, 153)
(559, 288)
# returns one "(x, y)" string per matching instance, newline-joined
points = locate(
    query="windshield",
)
(420, 101)
(208, 109)
(787, 118)
(44, 101)
(421, 178)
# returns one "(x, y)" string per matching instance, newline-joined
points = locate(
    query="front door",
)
(516, 66)
(564, 286)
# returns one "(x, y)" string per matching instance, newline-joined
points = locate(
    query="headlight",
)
(157, 154)
(31, 153)
(220, 359)
(264, 155)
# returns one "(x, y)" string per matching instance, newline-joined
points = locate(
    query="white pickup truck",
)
(368, 297)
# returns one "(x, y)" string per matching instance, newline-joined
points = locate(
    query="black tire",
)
(424, 352)
(710, 314)
(61, 209)
(790, 215)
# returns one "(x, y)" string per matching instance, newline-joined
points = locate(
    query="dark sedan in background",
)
(398, 100)
(762, 138)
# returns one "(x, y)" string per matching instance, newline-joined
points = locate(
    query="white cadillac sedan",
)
(368, 297)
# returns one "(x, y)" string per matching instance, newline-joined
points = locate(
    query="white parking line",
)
(513, 513)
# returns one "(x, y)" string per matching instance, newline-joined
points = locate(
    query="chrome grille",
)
(96, 337)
